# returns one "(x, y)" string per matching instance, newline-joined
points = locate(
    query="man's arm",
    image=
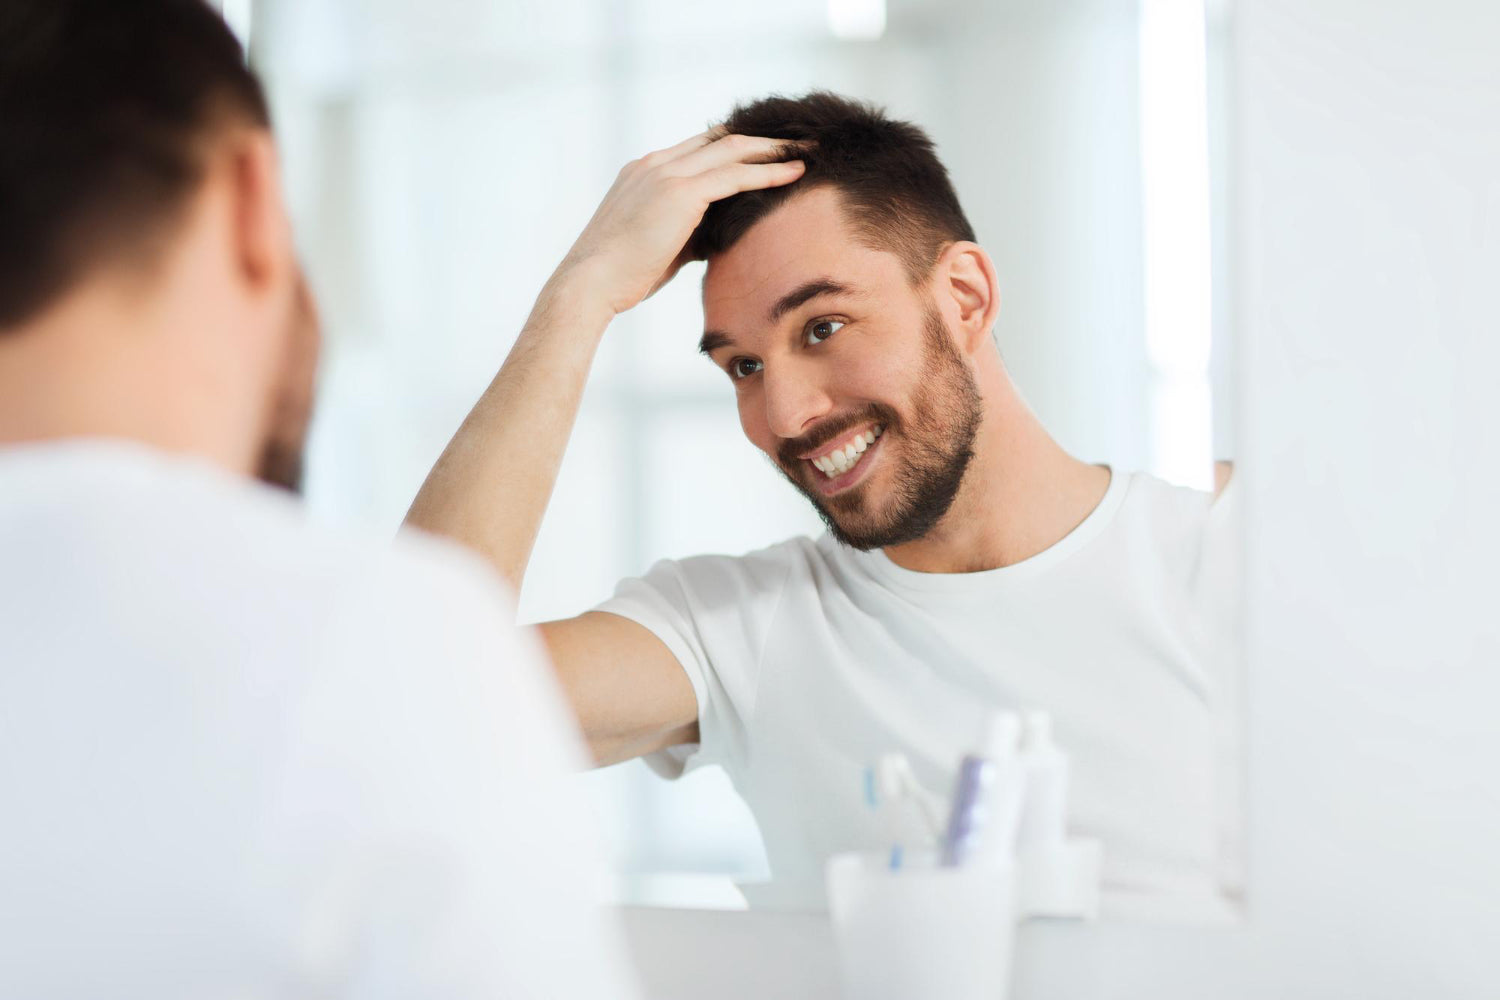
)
(490, 487)
(630, 694)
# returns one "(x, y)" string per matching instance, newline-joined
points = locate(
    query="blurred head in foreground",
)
(149, 287)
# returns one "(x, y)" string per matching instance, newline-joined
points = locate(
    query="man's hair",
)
(896, 193)
(106, 112)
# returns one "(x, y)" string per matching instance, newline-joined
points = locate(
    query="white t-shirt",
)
(244, 756)
(810, 660)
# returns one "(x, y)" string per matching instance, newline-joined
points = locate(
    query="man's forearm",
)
(491, 486)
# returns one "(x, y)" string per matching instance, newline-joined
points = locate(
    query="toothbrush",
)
(896, 781)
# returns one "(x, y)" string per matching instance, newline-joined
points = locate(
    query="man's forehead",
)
(806, 239)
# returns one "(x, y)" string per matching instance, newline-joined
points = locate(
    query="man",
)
(970, 563)
(240, 754)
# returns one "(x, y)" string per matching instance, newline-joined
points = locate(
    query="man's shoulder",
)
(765, 566)
(747, 583)
(1151, 497)
(392, 603)
(1191, 506)
(166, 520)
(405, 577)
(1178, 523)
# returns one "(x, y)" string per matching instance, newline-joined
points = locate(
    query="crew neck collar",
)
(880, 566)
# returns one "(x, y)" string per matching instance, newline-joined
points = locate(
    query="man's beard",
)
(934, 453)
(281, 459)
(291, 404)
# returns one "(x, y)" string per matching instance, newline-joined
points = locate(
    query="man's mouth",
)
(841, 456)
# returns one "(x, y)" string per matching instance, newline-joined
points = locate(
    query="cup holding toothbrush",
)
(922, 929)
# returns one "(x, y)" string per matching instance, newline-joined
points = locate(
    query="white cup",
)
(922, 931)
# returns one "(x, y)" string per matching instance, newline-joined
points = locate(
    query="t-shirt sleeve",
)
(433, 803)
(713, 613)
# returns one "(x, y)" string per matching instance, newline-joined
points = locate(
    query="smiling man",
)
(970, 563)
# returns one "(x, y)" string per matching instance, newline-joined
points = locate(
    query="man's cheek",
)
(754, 426)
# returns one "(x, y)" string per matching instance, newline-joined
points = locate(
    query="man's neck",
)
(1021, 495)
(90, 368)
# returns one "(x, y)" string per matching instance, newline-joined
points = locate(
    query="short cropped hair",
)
(895, 190)
(106, 107)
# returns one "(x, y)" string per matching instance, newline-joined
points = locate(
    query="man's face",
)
(846, 376)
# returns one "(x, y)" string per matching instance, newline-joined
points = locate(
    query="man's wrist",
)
(575, 295)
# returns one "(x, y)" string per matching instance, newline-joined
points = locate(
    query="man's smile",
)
(843, 462)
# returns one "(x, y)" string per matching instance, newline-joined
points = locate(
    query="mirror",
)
(441, 157)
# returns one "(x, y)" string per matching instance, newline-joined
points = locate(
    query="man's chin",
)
(856, 531)
(860, 537)
(846, 516)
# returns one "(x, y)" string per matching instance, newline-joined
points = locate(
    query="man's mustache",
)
(831, 429)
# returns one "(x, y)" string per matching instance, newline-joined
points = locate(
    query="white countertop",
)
(729, 955)
(752, 954)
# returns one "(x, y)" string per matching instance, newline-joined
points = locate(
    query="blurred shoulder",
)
(170, 524)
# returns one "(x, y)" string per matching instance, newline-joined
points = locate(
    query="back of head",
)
(106, 108)
(895, 190)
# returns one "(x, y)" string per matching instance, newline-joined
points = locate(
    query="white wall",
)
(1369, 221)
(1367, 157)
(1037, 118)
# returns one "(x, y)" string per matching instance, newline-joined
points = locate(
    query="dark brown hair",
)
(105, 107)
(895, 190)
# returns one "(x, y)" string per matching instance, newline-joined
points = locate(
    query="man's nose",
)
(794, 400)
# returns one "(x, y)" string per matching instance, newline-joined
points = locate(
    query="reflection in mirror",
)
(1026, 415)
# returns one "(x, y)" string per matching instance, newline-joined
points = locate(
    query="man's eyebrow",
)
(805, 292)
(802, 293)
(712, 341)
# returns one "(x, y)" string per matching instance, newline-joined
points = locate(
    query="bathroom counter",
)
(739, 955)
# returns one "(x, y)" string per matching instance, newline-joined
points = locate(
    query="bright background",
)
(442, 155)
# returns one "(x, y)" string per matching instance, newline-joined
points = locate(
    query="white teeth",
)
(841, 460)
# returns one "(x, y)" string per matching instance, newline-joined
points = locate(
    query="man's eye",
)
(743, 368)
(820, 330)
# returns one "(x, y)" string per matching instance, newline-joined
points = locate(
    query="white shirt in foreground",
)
(244, 756)
(810, 660)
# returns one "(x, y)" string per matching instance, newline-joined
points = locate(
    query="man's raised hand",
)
(636, 240)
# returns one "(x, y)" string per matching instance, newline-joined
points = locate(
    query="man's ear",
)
(262, 241)
(968, 292)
